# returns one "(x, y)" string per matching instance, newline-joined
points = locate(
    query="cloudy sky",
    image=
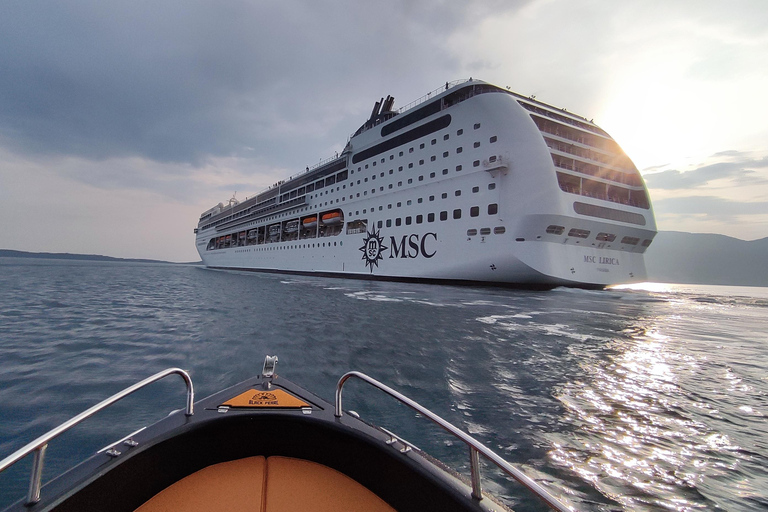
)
(120, 122)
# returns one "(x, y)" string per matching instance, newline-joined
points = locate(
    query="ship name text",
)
(601, 260)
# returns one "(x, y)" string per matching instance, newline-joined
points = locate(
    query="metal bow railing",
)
(39, 445)
(475, 446)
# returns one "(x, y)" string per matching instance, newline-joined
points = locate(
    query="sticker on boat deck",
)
(264, 398)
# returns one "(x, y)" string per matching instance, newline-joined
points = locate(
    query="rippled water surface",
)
(646, 398)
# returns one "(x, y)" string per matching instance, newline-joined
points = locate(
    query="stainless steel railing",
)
(40, 444)
(475, 447)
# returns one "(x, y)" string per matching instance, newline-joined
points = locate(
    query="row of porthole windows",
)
(420, 200)
(343, 175)
(459, 168)
(475, 190)
(459, 149)
(474, 211)
(317, 245)
(600, 237)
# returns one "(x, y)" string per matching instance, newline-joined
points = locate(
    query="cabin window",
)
(446, 136)
(491, 186)
(342, 176)
(477, 125)
(457, 193)
(476, 163)
(389, 223)
(458, 168)
(457, 213)
(419, 219)
(407, 221)
(630, 240)
(443, 215)
(494, 139)
(459, 149)
(499, 230)
(477, 144)
(398, 221)
(471, 232)
(320, 184)
(578, 233)
(493, 209)
(430, 217)
(474, 211)
(605, 237)
(485, 231)
(445, 154)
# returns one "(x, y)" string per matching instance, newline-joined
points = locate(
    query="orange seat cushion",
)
(301, 485)
(234, 486)
(256, 484)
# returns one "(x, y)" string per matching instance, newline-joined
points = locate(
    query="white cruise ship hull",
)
(475, 185)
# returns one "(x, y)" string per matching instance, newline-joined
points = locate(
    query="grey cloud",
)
(713, 206)
(740, 170)
(181, 81)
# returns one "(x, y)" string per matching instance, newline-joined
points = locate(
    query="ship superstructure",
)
(471, 183)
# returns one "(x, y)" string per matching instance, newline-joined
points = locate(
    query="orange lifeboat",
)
(310, 222)
(332, 218)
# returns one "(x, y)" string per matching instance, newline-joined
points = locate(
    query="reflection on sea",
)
(663, 421)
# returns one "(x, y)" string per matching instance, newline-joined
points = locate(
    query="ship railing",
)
(475, 447)
(312, 168)
(431, 94)
(40, 445)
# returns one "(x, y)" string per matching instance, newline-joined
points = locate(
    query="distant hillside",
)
(6, 253)
(695, 258)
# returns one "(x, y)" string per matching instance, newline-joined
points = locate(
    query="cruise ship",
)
(471, 183)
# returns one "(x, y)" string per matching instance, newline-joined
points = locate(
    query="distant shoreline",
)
(8, 253)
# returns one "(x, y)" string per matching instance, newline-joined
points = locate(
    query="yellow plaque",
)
(265, 398)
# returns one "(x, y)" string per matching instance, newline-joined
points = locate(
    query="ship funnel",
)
(388, 103)
(376, 109)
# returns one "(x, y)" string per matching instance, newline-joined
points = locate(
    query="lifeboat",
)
(332, 219)
(292, 226)
(310, 222)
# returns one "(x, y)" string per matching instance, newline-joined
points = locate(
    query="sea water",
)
(639, 398)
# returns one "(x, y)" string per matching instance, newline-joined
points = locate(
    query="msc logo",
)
(409, 246)
(373, 246)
